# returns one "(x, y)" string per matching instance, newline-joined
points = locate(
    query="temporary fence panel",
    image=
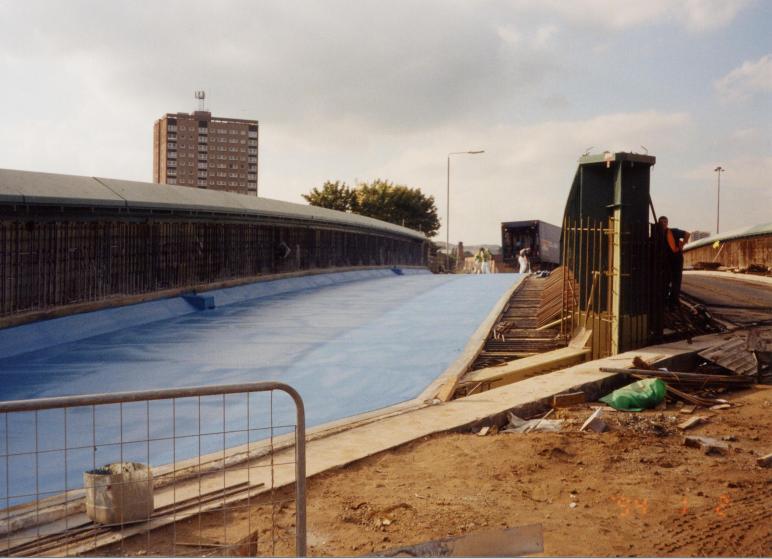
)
(222, 463)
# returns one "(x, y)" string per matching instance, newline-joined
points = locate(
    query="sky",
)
(356, 90)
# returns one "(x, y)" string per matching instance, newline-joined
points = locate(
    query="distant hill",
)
(494, 249)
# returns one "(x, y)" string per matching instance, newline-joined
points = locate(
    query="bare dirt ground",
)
(638, 491)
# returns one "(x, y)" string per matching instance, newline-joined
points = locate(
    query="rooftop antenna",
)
(201, 96)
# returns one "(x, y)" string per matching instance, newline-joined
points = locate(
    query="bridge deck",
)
(347, 348)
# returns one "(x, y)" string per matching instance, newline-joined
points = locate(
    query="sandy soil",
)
(638, 491)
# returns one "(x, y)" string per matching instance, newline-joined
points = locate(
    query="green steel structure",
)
(611, 263)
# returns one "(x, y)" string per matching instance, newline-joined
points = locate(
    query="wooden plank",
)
(568, 400)
(692, 422)
(528, 366)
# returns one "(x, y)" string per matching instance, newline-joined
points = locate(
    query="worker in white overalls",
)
(525, 263)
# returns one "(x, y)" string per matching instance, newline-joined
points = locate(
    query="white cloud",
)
(748, 79)
(351, 89)
(746, 193)
(695, 15)
(742, 172)
(544, 35)
(747, 135)
(526, 171)
(704, 15)
(509, 34)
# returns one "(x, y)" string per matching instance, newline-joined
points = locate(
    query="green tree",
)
(397, 203)
(333, 195)
(382, 200)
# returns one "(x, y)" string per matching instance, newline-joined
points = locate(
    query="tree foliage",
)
(334, 195)
(382, 200)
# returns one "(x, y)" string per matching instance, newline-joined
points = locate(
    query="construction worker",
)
(523, 260)
(478, 261)
(486, 260)
(674, 241)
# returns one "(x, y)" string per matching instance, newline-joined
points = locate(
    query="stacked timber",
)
(517, 333)
(554, 291)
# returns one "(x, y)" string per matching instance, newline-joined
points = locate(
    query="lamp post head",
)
(471, 152)
(719, 169)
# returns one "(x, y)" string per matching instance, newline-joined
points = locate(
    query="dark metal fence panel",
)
(200, 472)
(53, 261)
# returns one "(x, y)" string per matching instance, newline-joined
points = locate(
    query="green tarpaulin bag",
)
(637, 396)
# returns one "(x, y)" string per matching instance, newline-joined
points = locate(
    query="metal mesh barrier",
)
(204, 471)
(51, 262)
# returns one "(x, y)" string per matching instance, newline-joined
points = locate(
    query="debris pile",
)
(671, 399)
(689, 319)
(733, 356)
(737, 362)
(708, 445)
(659, 425)
(518, 425)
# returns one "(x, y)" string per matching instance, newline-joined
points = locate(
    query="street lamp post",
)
(447, 198)
(718, 170)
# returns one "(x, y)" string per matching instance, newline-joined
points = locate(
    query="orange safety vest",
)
(672, 242)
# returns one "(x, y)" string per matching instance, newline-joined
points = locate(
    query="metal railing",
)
(222, 460)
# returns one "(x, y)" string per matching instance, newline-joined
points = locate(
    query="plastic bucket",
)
(119, 493)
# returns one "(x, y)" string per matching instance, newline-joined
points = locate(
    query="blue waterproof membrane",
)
(347, 348)
(45, 333)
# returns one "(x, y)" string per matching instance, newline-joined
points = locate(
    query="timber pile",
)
(698, 380)
(689, 319)
(515, 335)
(552, 297)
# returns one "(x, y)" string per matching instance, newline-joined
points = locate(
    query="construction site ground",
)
(638, 491)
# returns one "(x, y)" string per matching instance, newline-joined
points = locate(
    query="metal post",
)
(718, 171)
(447, 198)
(447, 221)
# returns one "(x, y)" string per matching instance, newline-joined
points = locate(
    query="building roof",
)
(527, 223)
(206, 115)
(742, 233)
(26, 187)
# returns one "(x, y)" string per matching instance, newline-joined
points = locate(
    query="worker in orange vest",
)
(674, 241)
